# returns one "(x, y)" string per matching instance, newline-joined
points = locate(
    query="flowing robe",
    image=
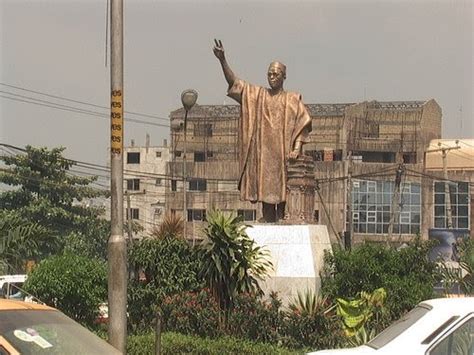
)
(268, 129)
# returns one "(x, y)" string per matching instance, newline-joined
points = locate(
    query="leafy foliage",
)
(231, 263)
(406, 274)
(312, 327)
(308, 303)
(172, 226)
(44, 193)
(195, 313)
(357, 313)
(20, 241)
(253, 318)
(74, 284)
(162, 267)
(463, 274)
(175, 343)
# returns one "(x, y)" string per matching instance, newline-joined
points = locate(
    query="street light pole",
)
(117, 246)
(188, 99)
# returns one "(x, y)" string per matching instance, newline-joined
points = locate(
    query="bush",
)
(255, 318)
(174, 343)
(167, 266)
(406, 274)
(252, 318)
(314, 330)
(74, 284)
(195, 313)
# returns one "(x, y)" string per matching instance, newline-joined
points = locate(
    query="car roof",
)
(10, 305)
(460, 304)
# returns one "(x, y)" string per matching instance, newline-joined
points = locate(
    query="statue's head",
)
(276, 75)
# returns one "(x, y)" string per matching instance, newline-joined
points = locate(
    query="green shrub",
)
(255, 318)
(406, 274)
(167, 266)
(174, 343)
(74, 284)
(195, 313)
(316, 330)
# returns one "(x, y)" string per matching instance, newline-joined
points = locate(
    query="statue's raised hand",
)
(218, 49)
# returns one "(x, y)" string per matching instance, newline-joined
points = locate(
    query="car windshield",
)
(49, 332)
(399, 326)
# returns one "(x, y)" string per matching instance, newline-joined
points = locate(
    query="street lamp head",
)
(189, 98)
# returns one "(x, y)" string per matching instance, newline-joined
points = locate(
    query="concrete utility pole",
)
(117, 246)
(447, 195)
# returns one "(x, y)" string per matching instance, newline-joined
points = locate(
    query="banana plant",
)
(357, 312)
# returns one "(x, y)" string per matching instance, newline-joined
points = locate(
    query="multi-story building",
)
(145, 184)
(357, 148)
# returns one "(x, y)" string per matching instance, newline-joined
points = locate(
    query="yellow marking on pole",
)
(116, 127)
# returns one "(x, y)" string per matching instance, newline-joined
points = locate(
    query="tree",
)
(44, 193)
(231, 263)
(75, 284)
(163, 267)
(19, 241)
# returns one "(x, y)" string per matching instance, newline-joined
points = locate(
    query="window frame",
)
(133, 154)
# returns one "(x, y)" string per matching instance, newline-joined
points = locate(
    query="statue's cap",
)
(279, 65)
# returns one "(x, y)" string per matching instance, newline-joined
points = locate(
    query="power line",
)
(77, 110)
(80, 102)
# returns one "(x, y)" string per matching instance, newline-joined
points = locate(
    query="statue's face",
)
(275, 77)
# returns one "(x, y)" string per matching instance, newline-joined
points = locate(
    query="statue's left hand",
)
(294, 154)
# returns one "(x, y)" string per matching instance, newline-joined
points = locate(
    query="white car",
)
(443, 326)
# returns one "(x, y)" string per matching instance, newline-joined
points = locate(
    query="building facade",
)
(369, 167)
(145, 182)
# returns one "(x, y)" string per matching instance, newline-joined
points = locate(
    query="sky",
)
(335, 52)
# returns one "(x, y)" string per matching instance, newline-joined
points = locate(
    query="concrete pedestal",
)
(296, 252)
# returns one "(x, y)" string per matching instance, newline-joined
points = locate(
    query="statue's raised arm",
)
(220, 54)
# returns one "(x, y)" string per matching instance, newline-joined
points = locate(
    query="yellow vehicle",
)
(31, 328)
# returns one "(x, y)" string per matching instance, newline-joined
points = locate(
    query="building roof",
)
(457, 159)
(336, 109)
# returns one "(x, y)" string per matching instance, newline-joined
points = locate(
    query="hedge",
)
(175, 343)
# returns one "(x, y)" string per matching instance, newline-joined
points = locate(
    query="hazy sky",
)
(335, 51)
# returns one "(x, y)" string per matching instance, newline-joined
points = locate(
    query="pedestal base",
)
(296, 252)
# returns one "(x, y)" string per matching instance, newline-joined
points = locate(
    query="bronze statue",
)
(273, 127)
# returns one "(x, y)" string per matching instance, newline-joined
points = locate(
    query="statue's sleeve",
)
(236, 90)
(304, 121)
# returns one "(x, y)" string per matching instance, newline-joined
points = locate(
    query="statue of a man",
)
(274, 125)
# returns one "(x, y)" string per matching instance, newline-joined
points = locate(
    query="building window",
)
(133, 158)
(316, 216)
(409, 158)
(371, 207)
(174, 185)
(134, 213)
(177, 153)
(199, 156)
(247, 215)
(196, 215)
(197, 185)
(158, 154)
(133, 184)
(203, 130)
(459, 199)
